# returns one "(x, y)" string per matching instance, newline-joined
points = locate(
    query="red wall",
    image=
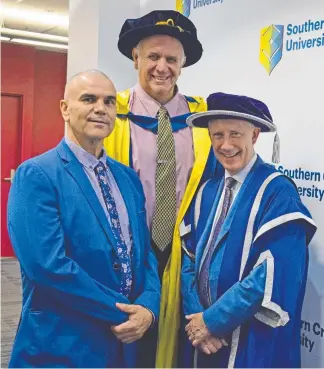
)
(50, 78)
(40, 77)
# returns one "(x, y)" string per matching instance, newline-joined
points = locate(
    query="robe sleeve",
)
(38, 240)
(190, 299)
(151, 295)
(271, 290)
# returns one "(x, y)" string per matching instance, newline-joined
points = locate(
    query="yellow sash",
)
(118, 143)
(117, 146)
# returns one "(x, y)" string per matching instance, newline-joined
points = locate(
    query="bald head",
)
(89, 106)
(86, 76)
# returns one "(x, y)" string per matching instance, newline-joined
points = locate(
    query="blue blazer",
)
(70, 270)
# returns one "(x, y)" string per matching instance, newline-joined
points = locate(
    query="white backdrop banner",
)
(272, 50)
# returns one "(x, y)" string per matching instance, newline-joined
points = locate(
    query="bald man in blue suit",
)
(77, 222)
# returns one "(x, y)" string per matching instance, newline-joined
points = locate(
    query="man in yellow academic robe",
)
(170, 158)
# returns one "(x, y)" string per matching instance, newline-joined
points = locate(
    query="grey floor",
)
(10, 306)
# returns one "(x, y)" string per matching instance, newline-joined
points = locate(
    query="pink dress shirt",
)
(144, 149)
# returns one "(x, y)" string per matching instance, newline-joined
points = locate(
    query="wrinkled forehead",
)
(229, 125)
(162, 44)
(94, 84)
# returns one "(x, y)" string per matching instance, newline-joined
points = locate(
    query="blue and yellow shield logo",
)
(183, 6)
(271, 44)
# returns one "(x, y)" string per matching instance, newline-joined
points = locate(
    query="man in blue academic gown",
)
(77, 223)
(245, 248)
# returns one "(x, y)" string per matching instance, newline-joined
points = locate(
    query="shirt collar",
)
(152, 106)
(85, 158)
(241, 175)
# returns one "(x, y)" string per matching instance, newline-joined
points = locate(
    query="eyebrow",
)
(231, 131)
(160, 54)
(111, 97)
(87, 95)
(151, 53)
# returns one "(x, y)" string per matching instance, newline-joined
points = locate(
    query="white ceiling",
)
(59, 7)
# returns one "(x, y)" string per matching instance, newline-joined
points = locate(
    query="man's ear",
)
(183, 62)
(64, 110)
(256, 132)
(135, 58)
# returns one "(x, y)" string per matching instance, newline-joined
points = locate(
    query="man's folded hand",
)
(140, 320)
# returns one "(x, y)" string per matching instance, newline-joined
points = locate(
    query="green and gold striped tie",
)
(165, 183)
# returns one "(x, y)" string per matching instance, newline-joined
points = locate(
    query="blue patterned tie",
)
(203, 283)
(124, 257)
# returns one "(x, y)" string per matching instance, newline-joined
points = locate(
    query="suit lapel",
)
(241, 196)
(74, 168)
(203, 244)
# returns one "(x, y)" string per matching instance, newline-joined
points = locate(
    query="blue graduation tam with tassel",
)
(228, 106)
(161, 22)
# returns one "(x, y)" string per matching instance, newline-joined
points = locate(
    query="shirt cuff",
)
(153, 316)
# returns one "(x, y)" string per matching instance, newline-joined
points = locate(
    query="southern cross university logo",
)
(183, 6)
(271, 44)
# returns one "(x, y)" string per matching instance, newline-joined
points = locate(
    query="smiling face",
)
(89, 107)
(233, 142)
(159, 60)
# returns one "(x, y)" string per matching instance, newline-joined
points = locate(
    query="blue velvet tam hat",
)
(161, 22)
(228, 106)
